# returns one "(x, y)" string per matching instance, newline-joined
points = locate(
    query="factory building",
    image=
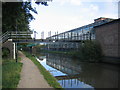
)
(72, 39)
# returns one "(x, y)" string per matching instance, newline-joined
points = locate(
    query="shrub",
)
(5, 52)
(91, 51)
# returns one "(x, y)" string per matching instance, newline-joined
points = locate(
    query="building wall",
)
(107, 35)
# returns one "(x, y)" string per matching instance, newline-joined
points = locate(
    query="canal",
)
(71, 73)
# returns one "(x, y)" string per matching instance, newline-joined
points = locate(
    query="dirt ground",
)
(30, 75)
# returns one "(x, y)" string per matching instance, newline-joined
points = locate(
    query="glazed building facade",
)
(81, 33)
(73, 39)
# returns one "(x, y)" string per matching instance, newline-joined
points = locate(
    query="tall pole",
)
(16, 43)
(16, 51)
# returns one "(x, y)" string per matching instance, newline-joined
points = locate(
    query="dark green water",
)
(71, 73)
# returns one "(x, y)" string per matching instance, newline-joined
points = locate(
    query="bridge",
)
(19, 37)
(10, 39)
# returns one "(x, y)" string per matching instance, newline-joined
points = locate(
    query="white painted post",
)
(14, 51)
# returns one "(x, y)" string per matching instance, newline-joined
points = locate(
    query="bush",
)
(5, 52)
(91, 51)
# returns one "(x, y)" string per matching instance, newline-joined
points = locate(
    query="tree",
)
(17, 16)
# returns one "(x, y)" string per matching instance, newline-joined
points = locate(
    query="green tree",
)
(17, 16)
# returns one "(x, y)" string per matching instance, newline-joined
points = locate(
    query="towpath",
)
(30, 75)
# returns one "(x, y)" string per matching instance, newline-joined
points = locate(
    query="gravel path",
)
(30, 75)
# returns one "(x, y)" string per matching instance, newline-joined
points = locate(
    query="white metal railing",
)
(4, 37)
(15, 35)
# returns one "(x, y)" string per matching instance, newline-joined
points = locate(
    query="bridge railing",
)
(15, 35)
(4, 37)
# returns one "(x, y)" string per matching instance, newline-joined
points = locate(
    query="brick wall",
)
(9, 45)
(108, 36)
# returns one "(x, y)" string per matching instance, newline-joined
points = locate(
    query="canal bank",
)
(31, 77)
(46, 75)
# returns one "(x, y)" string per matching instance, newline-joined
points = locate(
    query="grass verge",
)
(11, 73)
(48, 77)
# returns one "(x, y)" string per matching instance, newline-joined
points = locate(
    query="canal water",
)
(71, 73)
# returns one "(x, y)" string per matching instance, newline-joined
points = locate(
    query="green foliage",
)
(17, 15)
(90, 51)
(10, 73)
(49, 78)
(5, 52)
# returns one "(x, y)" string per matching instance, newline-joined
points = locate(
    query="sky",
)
(64, 15)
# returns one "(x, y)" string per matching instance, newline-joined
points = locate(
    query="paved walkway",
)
(30, 75)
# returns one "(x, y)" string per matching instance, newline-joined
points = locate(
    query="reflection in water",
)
(71, 73)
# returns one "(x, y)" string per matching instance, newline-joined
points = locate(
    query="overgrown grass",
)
(10, 73)
(48, 77)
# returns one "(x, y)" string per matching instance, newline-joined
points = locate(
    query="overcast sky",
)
(64, 15)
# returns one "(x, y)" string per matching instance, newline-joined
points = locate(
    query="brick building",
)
(108, 35)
